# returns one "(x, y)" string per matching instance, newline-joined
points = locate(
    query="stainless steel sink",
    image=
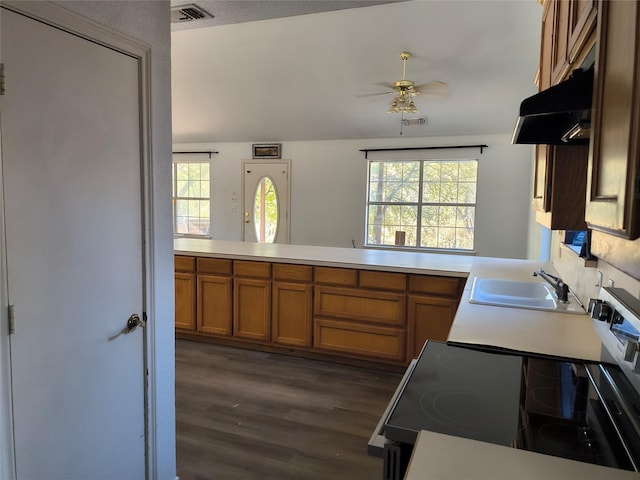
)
(532, 295)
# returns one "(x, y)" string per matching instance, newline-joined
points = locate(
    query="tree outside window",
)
(192, 199)
(432, 202)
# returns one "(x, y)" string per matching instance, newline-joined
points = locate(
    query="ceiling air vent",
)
(188, 13)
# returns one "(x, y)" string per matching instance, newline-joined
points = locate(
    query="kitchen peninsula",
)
(366, 305)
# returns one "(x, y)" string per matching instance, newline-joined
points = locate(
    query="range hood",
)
(559, 115)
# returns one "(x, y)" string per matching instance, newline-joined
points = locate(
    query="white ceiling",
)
(299, 77)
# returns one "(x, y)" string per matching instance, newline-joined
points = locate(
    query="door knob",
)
(134, 322)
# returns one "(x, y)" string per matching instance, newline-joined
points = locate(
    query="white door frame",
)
(284, 208)
(59, 17)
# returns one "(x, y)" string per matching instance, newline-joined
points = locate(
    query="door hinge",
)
(12, 319)
(1, 78)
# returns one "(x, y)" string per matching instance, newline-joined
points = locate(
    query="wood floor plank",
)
(243, 414)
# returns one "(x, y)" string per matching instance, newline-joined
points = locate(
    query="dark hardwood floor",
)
(243, 414)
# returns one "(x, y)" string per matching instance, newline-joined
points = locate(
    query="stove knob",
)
(630, 350)
(616, 318)
(592, 303)
(602, 312)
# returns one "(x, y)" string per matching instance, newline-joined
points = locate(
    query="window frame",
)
(174, 190)
(418, 205)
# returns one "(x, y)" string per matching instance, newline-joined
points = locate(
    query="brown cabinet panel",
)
(251, 308)
(214, 304)
(336, 276)
(559, 54)
(252, 269)
(184, 264)
(565, 187)
(435, 285)
(383, 280)
(185, 301)
(292, 314)
(368, 306)
(613, 204)
(216, 266)
(429, 318)
(358, 339)
(292, 273)
(582, 20)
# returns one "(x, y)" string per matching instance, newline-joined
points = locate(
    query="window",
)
(427, 204)
(191, 198)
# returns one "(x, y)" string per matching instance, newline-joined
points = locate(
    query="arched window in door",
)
(265, 210)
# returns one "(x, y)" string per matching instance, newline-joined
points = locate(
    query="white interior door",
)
(266, 201)
(74, 252)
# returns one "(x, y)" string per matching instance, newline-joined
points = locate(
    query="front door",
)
(265, 201)
(71, 155)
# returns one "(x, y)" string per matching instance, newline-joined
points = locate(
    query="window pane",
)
(386, 220)
(191, 193)
(266, 211)
(447, 194)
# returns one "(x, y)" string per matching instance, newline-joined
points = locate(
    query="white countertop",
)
(555, 334)
(456, 458)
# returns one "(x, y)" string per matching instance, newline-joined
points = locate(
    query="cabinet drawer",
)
(383, 280)
(214, 265)
(353, 338)
(434, 285)
(336, 276)
(252, 269)
(292, 273)
(377, 307)
(184, 264)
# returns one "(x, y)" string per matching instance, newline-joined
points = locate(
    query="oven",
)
(588, 412)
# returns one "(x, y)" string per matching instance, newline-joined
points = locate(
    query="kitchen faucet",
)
(561, 288)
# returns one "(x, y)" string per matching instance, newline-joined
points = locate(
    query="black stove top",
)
(459, 391)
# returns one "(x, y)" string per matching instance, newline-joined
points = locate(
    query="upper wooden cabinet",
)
(613, 188)
(566, 27)
(560, 172)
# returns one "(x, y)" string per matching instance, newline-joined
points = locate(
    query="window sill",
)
(204, 237)
(421, 250)
(574, 253)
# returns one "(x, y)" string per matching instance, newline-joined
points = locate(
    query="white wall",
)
(328, 187)
(149, 22)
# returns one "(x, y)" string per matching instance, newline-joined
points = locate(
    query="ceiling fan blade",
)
(388, 85)
(363, 95)
(432, 86)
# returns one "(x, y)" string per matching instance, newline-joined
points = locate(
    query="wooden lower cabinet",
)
(429, 318)
(185, 301)
(292, 314)
(252, 308)
(360, 339)
(357, 304)
(344, 313)
(360, 322)
(215, 298)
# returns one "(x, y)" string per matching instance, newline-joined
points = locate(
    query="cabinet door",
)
(429, 318)
(546, 46)
(560, 54)
(582, 19)
(214, 304)
(292, 314)
(185, 301)
(358, 339)
(541, 178)
(252, 308)
(613, 182)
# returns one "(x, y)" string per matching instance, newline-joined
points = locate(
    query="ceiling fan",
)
(404, 90)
